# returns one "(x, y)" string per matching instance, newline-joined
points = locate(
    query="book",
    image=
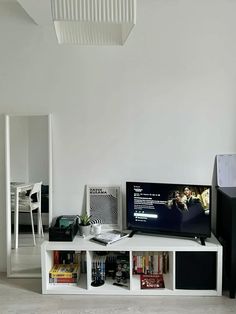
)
(110, 237)
(56, 257)
(152, 281)
(63, 280)
(150, 262)
(64, 271)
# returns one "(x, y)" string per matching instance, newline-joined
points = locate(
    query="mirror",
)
(28, 191)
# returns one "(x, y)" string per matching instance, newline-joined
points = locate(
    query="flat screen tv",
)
(172, 209)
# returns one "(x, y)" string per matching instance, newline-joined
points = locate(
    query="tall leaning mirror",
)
(28, 191)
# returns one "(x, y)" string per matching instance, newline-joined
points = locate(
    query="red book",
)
(135, 264)
(63, 280)
(56, 257)
(152, 281)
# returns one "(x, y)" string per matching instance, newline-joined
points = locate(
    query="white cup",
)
(96, 229)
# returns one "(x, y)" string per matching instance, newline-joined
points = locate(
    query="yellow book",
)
(64, 271)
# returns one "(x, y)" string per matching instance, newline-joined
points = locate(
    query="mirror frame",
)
(8, 181)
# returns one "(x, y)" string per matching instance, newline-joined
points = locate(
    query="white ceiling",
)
(38, 10)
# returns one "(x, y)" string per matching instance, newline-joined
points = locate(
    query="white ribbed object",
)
(93, 22)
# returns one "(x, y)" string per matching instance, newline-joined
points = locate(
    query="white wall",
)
(19, 149)
(38, 149)
(158, 109)
(29, 148)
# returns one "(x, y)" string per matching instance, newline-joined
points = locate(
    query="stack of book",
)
(64, 274)
(66, 268)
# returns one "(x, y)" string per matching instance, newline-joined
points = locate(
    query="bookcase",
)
(193, 269)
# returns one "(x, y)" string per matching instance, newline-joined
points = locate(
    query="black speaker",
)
(196, 270)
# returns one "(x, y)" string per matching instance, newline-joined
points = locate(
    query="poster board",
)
(104, 204)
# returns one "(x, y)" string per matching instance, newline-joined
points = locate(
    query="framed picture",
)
(104, 203)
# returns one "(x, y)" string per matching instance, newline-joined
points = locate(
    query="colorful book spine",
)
(63, 280)
(66, 257)
(56, 257)
(150, 263)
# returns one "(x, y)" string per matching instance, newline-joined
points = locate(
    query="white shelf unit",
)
(142, 243)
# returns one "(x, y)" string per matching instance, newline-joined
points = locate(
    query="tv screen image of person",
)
(174, 209)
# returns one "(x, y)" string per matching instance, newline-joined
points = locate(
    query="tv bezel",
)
(171, 232)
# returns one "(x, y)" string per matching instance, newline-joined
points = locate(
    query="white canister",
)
(96, 229)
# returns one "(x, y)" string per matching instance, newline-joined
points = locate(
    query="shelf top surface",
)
(228, 191)
(138, 242)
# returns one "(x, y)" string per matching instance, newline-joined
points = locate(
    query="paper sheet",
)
(226, 170)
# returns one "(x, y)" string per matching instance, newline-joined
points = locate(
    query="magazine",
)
(109, 237)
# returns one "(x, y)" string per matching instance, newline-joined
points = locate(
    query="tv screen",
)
(174, 209)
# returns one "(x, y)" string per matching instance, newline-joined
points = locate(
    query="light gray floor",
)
(24, 296)
(26, 259)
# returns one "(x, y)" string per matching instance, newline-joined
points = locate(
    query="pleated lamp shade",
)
(93, 22)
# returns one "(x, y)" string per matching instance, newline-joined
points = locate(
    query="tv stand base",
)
(132, 233)
(202, 240)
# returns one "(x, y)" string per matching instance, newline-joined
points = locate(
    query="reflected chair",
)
(28, 203)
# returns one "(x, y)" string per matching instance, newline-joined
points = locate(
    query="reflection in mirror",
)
(28, 173)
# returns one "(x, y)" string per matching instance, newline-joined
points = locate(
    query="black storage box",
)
(64, 228)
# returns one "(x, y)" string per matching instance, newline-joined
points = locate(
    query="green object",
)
(85, 219)
(65, 222)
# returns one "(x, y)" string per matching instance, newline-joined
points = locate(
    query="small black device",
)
(63, 228)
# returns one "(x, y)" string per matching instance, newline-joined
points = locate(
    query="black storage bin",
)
(196, 270)
(61, 233)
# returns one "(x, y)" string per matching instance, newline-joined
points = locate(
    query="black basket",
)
(65, 234)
